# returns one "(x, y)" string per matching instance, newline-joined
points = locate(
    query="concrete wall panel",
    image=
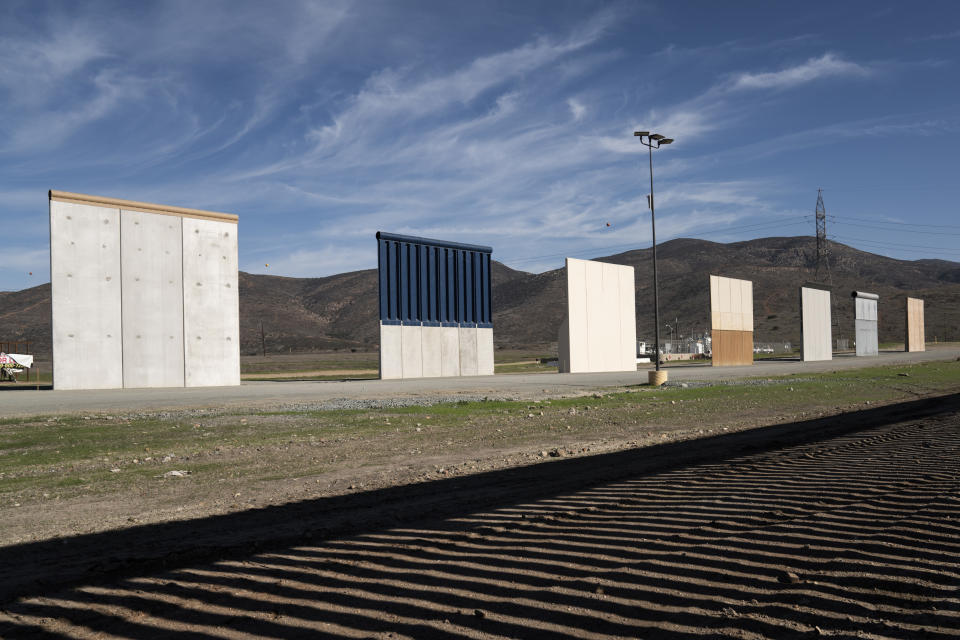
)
(603, 321)
(85, 294)
(731, 311)
(449, 351)
(563, 346)
(411, 348)
(715, 301)
(915, 339)
(627, 311)
(469, 365)
(391, 352)
(746, 305)
(211, 322)
(599, 333)
(865, 323)
(415, 351)
(152, 299)
(431, 346)
(484, 351)
(815, 323)
(578, 349)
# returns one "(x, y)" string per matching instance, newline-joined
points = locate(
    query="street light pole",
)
(651, 142)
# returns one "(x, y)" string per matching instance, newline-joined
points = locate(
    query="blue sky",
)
(501, 123)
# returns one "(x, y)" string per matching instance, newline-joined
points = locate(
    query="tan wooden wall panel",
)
(732, 348)
(916, 334)
(731, 313)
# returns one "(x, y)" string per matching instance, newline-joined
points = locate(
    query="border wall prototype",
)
(600, 330)
(865, 323)
(731, 314)
(815, 324)
(915, 339)
(142, 295)
(435, 308)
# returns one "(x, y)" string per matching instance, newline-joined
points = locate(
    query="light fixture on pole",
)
(654, 141)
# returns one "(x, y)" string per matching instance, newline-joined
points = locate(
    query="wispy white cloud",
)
(950, 35)
(48, 128)
(904, 125)
(577, 109)
(826, 66)
(34, 65)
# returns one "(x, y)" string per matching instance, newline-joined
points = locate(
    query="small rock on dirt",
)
(788, 577)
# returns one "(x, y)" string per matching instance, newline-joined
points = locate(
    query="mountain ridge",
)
(340, 311)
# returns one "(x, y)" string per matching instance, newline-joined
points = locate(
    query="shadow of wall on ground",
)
(846, 524)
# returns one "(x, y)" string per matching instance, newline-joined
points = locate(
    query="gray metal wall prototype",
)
(865, 323)
(131, 282)
(435, 308)
(815, 324)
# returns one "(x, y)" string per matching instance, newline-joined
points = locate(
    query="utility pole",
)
(823, 274)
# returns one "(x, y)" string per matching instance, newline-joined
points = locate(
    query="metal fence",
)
(433, 282)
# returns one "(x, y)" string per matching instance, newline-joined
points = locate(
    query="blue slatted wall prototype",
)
(433, 283)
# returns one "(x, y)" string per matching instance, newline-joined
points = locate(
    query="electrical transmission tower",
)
(823, 250)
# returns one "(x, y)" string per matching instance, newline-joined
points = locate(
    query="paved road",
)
(265, 394)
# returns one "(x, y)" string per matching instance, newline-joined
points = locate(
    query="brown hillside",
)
(340, 312)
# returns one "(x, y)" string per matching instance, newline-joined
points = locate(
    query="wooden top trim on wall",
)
(145, 207)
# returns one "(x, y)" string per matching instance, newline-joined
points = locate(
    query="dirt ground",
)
(845, 526)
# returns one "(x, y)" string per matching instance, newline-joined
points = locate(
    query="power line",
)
(613, 248)
(894, 245)
(876, 228)
(903, 224)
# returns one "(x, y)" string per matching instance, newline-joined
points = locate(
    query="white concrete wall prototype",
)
(152, 299)
(865, 323)
(85, 295)
(211, 318)
(391, 351)
(119, 304)
(815, 322)
(599, 333)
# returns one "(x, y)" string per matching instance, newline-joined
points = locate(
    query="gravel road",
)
(364, 393)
